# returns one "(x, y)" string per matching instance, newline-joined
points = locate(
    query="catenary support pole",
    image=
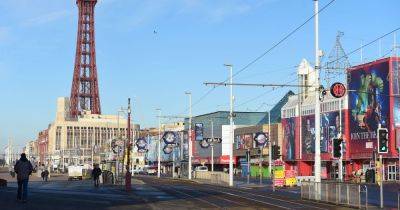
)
(317, 158)
(159, 144)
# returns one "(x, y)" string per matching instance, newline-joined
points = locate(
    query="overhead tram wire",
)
(362, 46)
(265, 53)
(269, 91)
(282, 40)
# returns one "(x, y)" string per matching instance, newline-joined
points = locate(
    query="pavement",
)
(149, 192)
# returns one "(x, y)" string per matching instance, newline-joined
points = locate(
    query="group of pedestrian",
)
(23, 169)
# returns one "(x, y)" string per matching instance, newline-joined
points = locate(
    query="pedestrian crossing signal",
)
(383, 140)
(337, 147)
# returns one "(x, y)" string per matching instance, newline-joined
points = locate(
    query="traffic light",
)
(337, 147)
(275, 152)
(383, 140)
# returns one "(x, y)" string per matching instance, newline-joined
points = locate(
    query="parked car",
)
(75, 172)
(137, 171)
(150, 170)
(201, 168)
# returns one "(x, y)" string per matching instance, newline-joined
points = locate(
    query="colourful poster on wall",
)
(244, 141)
(308, 134)
(368, 104)
(289, 134)
(396, 91)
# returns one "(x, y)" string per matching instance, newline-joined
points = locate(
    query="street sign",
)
(119, 142)
(338, 90)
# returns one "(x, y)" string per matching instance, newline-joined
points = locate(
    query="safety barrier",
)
(300, 179)
(335, 192)
(219, 178)
(398, 200)
(108, 177)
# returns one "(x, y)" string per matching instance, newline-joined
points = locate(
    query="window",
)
(58, 138)
(97, 136)
(70, 143)
(84, 137)
(90, 136)
(77, 136)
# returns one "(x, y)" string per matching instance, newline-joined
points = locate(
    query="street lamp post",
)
(230, 126)
(317, 112)
(269, 145)
(159, 144)
(212, 146)
(190, 136)
(128, 175)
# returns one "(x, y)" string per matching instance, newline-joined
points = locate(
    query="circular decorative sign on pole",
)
(261, 138)
(167, 149)
(338, 90)
(204, 143)
(169, 137)
(141, 145)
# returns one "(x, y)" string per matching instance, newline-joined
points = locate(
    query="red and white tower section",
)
(85, 88)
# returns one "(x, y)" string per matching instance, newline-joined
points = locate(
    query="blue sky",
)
(194, 38)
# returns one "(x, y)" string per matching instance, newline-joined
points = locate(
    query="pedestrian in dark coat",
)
(23, 168)
(96, 175)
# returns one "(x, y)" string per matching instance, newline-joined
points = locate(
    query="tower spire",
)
(337, 62)
(85, 89)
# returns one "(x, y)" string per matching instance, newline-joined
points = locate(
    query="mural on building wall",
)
(308, 134)
(396, 100)
(244, 141)
(289, 129)
(396, 91)
(368, 104)
(330, 129)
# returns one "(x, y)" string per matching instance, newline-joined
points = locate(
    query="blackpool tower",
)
(85, 88)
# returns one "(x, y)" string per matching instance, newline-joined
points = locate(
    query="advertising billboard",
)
(329, 130)
(368, 104)
(308, 134)
(198, 130)
(396, 91)
(289, 135)
(244, 141)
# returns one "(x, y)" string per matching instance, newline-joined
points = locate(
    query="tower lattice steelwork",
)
(85, 88)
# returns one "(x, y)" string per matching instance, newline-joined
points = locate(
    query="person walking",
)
(45, 175)
(96, 175)
(24, 169)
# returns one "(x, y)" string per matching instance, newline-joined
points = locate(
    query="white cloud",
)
(46, 18)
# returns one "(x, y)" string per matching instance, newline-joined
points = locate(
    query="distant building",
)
(73, 141)
(31, 151)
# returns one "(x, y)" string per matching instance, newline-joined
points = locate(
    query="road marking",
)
(287, 201)
(237, 203)
(194, 197)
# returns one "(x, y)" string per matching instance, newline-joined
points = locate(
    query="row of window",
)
(328, 106)
(86, 137)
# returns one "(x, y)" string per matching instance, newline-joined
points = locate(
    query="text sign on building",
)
(338, 90)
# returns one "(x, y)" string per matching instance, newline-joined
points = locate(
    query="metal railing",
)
(398, 199)
(335, 192)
